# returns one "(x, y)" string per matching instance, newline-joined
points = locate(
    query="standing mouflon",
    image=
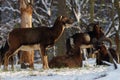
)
(42, 35)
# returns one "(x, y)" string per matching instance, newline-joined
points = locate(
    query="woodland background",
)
(84, 12)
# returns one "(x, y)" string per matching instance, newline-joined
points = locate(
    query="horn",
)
(106, 39)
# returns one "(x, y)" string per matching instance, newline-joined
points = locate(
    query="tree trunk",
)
(91, 2)
(117, 45)
(0, 13)
(92, 10)
(26, 14)
(117, 6)
(26, 22)
(61, 42)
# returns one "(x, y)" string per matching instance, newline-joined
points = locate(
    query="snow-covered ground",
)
(88, 72)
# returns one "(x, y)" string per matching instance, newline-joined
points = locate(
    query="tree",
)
(92, 2)
(0, 11)
(117, 37)
(26, 22)
(61, 42)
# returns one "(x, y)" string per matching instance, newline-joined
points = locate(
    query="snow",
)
(88, 72)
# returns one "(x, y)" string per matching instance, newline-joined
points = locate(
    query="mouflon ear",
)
(60, 17)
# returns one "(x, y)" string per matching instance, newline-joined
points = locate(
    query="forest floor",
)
(88, 72)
